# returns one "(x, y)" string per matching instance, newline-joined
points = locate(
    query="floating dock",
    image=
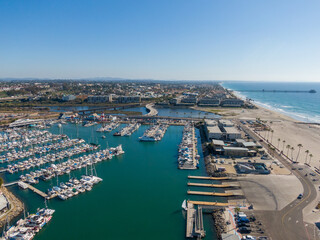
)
(32, 188)
(212, 185)
(203, 203)
(229, 194)
(195, 161)
(209, 178)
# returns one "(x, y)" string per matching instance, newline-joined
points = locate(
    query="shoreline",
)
(16, 207)
(271, 108)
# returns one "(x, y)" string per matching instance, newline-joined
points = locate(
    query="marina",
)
(188, 157)
(128, 130)
(51, 182)
(154, 134)
(108, 127)
(70, 165)
(29, 226)
(73, 187)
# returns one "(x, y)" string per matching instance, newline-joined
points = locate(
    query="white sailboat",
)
(184, 205)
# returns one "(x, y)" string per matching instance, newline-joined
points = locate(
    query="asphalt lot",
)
(288, 222)
(277, 190)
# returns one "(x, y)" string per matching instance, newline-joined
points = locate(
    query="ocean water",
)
(139, 198)
(300, 106)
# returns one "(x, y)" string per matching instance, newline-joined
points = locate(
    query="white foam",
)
(298, 116)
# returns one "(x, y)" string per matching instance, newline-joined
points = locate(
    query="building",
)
(255, 168)
(190, 100)
(217, 146)
(68, 98)
(232, 102)
(129, 99)
(231, 133)
(100, 99)
(210, 122)
(249, 145)
(214, 132)
(225, 123)
(173, 101)
(235, 151)
(209, 102)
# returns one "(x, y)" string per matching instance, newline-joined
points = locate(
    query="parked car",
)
(244, 230)
(300, 196)
(243, 224)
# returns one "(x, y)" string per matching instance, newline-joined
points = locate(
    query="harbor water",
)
(170, 112)
(140, 196)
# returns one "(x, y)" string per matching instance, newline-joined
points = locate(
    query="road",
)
(287, 223)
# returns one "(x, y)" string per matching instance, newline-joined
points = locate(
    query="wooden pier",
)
(212, 185)
(209, 178)
(32, 188)
(203, 203)
(194, 222)
(229, 194)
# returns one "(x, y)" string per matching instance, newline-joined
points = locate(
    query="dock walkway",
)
(209, 178)
(212, 185)
(203, 203)
(229, 194)
(32, 188)
(10, 184)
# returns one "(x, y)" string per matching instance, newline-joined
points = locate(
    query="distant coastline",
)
(291, 110)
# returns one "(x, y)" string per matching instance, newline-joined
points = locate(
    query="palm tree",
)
(292, 149)
(284, 141)
(310, 155)
(307, 152)
(279, 142)
(288, 147)
(299, 146)
(271, 135)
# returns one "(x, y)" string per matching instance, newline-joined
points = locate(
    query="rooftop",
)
(231, 130)
(214, 129)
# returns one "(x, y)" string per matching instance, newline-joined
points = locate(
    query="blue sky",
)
(166, 39)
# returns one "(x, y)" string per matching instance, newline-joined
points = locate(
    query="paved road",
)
(287, 223)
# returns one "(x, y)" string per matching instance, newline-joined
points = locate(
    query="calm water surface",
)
(140, 196)
(171, 112)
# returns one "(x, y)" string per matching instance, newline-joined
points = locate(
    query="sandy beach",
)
(285, 128)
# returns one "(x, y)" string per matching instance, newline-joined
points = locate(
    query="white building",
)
(232, 133)
(225, 123)
(214, 132)
(210, 122)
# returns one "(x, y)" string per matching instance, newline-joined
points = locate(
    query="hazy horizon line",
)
(143, 79)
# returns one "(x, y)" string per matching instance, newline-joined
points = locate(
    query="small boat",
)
(103, 136)
(184, 205)
(117, 134)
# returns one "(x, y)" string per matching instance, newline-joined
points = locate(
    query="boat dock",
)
(216, 194)
(37, 191)
(204, 203)
(210, 178)
(194, 223)
(212, 185)
(10, 184)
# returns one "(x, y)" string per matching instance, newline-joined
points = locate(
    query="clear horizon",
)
(166, 40)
